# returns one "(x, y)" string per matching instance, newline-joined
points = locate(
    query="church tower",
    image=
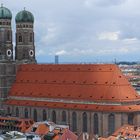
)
(25, 48)
(6, 47)
(7, 65)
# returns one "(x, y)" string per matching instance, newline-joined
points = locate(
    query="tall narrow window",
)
(54, 116)
(26, 113)
(44, 115)
(64, 116)
(111, 123)
(31, 37)
(35, 115)
(8, 35)
(8, 110)
(96, 127)
(74, 122)
(84, 122)
(17, 112)
(20, 38)
(130, 118)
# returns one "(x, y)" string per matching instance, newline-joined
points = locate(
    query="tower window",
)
(8, 35)
(31, 37)
(20, 38)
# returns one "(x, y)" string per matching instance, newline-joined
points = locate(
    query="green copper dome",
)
(24, 16)
(5, 13)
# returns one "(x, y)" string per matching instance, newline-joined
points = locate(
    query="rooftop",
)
(88, 86)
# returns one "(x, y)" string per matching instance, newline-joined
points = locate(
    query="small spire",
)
(24, 8)
(1, 4)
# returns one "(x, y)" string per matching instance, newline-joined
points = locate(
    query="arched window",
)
(44, 115)
(111, 123)
(19, 38)
(84, 122)
(8, 110)
(74, 122)
(64, 116)
(96, 127)
(26, 113)
(130, 118)
(54, 116)
(35, 115)
(31, 37)
(17, 112)
(8, 35)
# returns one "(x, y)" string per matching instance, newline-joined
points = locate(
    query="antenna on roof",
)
(24, 8)
(1, 4)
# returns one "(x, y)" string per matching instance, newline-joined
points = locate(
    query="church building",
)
(93, 98)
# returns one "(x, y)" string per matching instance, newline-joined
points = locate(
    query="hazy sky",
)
(83, 30)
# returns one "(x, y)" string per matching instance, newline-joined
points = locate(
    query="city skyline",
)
(83, 30)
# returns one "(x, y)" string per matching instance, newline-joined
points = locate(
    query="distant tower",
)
(25, 48)
(56, 59)
(6, 47)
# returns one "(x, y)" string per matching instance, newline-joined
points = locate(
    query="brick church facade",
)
(89, 98)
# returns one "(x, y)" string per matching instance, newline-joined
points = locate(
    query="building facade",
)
(24, 49)
(89, 98)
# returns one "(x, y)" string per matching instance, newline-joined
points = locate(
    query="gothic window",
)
(84, 122)
(8, 35)
(74, 122)
(96, 127)
(20, 38)
(8, 110)
(17, 112)
(26, 113)
(35, 115)
(44, 115)
(64, 116)
(111, 123)
(130, 118)
(54, 116)
(31, 37)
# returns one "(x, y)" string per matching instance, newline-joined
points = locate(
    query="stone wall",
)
(103, 122)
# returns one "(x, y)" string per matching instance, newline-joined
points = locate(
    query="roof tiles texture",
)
(89, 82)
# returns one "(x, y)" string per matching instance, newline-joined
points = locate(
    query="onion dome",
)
(5, 13)
(24, 16)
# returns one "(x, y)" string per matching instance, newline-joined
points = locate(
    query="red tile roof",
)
(86, 82)
(125, 132)
(115, 108)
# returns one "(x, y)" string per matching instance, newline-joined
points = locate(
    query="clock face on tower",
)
(9, 53)
(31, 53)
